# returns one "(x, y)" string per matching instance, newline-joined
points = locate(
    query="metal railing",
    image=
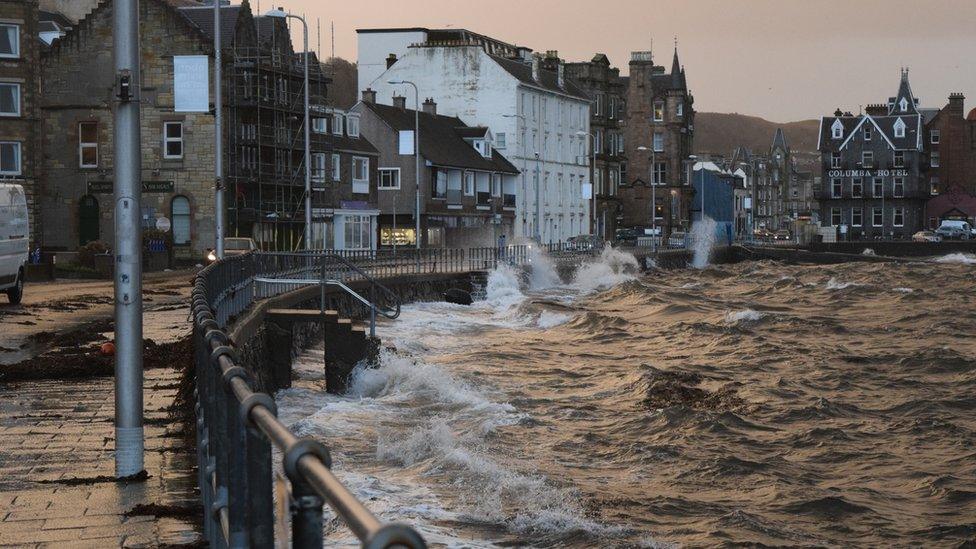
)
(237, 426)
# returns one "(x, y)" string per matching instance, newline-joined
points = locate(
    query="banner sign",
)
(107, 187)
(868, 173)
(191, 83)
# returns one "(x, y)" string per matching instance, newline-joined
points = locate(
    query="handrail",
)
(373, 309)
(236, 427)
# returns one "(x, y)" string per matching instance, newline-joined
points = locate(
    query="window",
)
(439, 184)
(935, 160)
(318, 167)
(899, 159)
(500, 140)
(389, 178)
(9, 40)
(835, 160)
(836, 187)
(837, 129)
(934, 185)
(658, 111)
(660, 173)
(9, 99)
(337, 124)
(88, 144)
(336, 168)
(877, 217)
(180, 214)
(358, 232)
(898, 217)
(877, 187)
(598, 106)
(360, 175)
(172, 140)
(899, 188)
(496, 184)
(658, 142)
(935, 136)
(469, 183)
(900, 127)
(867, 159)
(681, 109)
(319, 125)
(868, 130)
(483, 188)
(835, 216)
(904, 105)
(857, 217)
(857, 187)
(9, 158)
(352, 126)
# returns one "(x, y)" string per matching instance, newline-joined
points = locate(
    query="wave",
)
(747, 315)
(550, 320)
(965, 259)
(612, 267)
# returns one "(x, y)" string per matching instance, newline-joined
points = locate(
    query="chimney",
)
(430, 107)
(369, 96)
(957, 102)
(876, 109)
(536, 74)
(391, 60)
(400, 102)
(561, 75)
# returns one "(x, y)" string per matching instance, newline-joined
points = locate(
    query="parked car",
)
(14, 249)
(585, 242)
(926, 236)
(233, 245)
(953, 228)
(627, 236)
(781, 235)
(678, 239)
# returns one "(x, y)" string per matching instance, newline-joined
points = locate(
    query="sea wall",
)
(898, 248)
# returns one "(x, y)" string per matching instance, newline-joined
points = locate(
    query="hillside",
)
(721, 133)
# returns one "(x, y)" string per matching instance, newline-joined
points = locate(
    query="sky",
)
(783, 60)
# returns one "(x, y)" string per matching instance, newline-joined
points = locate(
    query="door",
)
(88, 217)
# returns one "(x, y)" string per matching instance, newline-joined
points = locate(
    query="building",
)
(20, 151)
(344, 186)
(874, 165)
(264, 165)
(715, 191)
(467, 188)
(537, 117)
(658, 137)
(607, 90)
(76, 122)
(950, 138)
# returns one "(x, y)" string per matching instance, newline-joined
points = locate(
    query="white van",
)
(13, 240)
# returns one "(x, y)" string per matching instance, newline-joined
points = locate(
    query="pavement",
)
(57, 436)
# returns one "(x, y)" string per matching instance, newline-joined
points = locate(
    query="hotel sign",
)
(106, 187)
(868, 173)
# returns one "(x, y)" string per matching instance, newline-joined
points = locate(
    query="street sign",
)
(191, 83)
(148, 187)
(163, 224)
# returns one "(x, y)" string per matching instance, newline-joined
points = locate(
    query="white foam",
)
(965, 259)
(549, 319)
(903, 290)
(502, 290)
(542, 272)
(612, 267)
(868, 251)
(702, 239)
(748, 315)
(834, 284)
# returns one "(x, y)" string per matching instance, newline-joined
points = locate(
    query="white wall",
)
(467, 83)
(375, 47)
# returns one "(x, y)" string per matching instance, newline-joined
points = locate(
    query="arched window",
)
(180, 213)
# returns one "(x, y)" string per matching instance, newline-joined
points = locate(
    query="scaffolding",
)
(265, 173)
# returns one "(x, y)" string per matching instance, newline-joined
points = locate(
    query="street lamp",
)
(280, 13)
(653, 189)
(592, 139)
(416, 151)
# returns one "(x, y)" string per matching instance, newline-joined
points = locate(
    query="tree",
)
(345, 79)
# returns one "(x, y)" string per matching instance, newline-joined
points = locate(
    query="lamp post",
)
(653, 189)
(416, 152)
(592, 139)
(218, 140)
(280, 13)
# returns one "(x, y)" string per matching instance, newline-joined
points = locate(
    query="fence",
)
(236, 426)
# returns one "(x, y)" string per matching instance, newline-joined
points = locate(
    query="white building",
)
(539, 120)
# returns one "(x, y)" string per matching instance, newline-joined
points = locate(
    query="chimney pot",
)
(430, 107)
(369, 96)
(400, 102)
(390, 60)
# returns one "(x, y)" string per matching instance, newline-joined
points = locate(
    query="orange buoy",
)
(108, 348)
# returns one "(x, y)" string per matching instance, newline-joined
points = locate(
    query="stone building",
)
(467, 187)
(658, 136)
(77, 125)
(20, 151)
(950, 139)
(607, 91)
(874, 165)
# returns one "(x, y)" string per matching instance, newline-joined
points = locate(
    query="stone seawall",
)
(267, 348)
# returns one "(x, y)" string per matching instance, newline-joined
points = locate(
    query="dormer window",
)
(337, 124)
(483, 147)
(837, 130)
(900, 127)
(867, 132)
(903, 105)
(352, 125)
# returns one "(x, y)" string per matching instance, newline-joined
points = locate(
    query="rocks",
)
(459, 297)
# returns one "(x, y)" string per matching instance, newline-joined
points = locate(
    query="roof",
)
(972, 116)
(471, 132)
(904, 92)
(55, 17)
(353, 144)
(779, 140)
(441, 140)
(549, 79)
(885, 125)
(203, 18)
